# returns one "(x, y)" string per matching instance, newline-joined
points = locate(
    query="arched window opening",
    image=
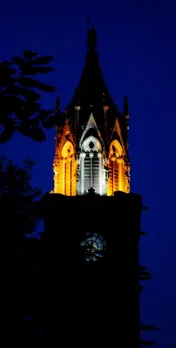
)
(116, 180)
(66, 177)
(92, 172)
(67, 149)
(115, 149)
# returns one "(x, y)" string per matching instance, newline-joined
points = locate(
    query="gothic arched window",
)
(116, 180)
(91, 166)
(67, 168)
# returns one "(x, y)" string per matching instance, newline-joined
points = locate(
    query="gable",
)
(91, 129)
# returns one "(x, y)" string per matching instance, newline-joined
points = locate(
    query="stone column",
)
(101, 183)
(121, 174)
(91, 154)
(82, 156)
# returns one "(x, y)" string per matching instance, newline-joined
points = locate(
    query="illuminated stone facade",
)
(91, 137)
(65, 164)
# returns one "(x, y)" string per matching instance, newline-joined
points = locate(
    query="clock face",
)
(94, 244)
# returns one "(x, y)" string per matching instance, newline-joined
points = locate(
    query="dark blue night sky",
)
(137, 50)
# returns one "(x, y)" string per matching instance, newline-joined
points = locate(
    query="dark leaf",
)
(145, 343)
(6, 73)
(4, 64)
(37, 133)
(24, 128)
(12, 105)
(30, 95)
(42, 60)
(148, 327)
(20, 61)
(47, 124)
(29, 55)
(6, 134)
(30, 70)
(143, 268)
(140, 288)
(143, 233)
(54, 120)
(27, 93)
(44, 114)
(29, 112)
(19, 106)
(34, 121)
(31, 83)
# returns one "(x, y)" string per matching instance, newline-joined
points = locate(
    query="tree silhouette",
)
(144, 275)
(21, 111)
(145, 343)
(20, 94)
(19, 219)
(17, 197)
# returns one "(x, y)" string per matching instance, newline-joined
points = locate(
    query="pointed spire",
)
(125, 110)
(126, 117)
(57, 107)
(91, 89)
(91, 39)
(91, 36)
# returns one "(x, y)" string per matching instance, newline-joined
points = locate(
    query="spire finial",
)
(125, 110)
(91, 36)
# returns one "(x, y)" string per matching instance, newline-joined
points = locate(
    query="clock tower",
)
(92, 221)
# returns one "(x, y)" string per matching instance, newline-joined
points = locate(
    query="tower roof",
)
(91, 89)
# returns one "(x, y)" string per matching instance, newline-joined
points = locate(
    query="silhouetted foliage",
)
(20, 107)
(146, 343)
(144, 274)
(19, 218)
(17, 198)
(28, 310)
(149, 327)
